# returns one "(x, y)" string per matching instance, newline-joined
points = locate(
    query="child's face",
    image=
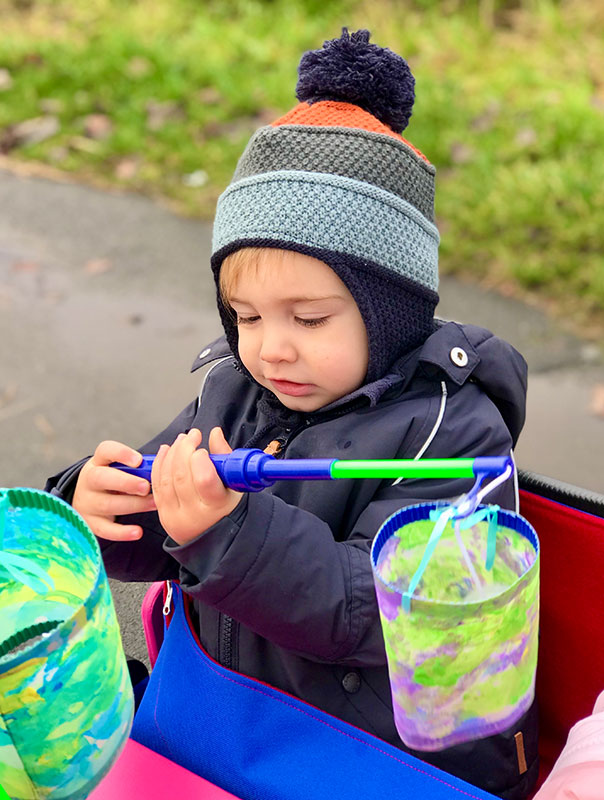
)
(301, 334)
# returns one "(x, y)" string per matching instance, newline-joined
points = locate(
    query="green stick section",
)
(404, 468)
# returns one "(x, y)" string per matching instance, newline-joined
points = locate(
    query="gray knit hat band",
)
(330, 212)
(363, 155)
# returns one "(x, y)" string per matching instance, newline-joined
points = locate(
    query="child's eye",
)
(246, 320)
(312, 323)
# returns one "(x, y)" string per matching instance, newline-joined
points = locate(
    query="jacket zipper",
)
(228, 623)
(168, 603)
(226, 656)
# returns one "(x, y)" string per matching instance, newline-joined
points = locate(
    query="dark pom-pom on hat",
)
(352, 70)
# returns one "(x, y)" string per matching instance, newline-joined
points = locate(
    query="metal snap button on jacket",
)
(351, 682)
(458, 356)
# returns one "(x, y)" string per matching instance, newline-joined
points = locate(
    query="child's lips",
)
(291, 388)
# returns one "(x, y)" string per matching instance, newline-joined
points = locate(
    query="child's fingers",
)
(161, 480)
(217, 442)
(115, 505)
(110, 479)
(113, 531)
(194, 437)
(207, 482)
(168, 475)
(180, 467)
(110, 451)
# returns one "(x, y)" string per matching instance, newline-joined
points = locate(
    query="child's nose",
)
(276, 347)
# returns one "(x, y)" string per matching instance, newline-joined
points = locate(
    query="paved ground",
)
(105, 299)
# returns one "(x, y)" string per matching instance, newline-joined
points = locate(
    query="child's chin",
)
(304, 404)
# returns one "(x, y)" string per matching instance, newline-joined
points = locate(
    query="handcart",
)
(570, 524)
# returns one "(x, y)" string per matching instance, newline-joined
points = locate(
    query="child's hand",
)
(189, 494)
(103, 492)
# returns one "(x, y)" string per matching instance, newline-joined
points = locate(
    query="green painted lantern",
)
(66, 702)
(459, 605)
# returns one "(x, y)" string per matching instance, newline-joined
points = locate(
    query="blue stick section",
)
(252, 470)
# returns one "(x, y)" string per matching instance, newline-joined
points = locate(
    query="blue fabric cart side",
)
(262, 744)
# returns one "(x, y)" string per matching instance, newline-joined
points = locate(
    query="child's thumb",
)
(217, 443)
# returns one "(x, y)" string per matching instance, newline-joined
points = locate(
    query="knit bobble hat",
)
(335, 179)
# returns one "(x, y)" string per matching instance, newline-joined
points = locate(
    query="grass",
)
(510, 109)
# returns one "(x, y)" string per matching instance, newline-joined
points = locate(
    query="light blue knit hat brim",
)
(330, 212)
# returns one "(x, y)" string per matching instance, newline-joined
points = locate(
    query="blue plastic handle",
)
(249, 470)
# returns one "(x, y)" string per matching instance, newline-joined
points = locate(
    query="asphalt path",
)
(106, 298)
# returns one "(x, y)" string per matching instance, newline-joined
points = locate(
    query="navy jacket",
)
(283, 587)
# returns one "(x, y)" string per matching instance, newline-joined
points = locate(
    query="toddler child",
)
(325, 261)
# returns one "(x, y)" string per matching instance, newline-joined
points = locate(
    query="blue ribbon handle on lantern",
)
(441, 523)
(488, 512)
(465, 513)
(442, 517)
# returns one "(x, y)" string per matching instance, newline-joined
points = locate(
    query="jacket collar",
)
(447, 350)
(212, 352)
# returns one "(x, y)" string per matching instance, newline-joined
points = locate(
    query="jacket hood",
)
(454, 352)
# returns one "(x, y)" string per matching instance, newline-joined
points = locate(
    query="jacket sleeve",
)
(278, 570)
(144, 559)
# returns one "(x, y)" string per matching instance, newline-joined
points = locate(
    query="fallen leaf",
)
(8, 394)
(44, 426)
(81, 98)
(210, 96)
(597, 400)
(35, 130)
(461, 153)
(83, 144)
(52, 105)
(138, 67)
(591, 353)
(58, 153)
(266, 116)
(553, 97)
(26, 266)
(33, 58)
(15, 409)
(98, 126)
(485, 121)
(127, 168)
(6, 80)
(597, 102)
(196, 179)
(97, 266)
(158, 113)
(213, 128)
(526, 137)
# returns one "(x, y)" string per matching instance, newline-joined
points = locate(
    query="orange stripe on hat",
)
(337, 114)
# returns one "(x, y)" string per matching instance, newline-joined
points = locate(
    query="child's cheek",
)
(246, 351)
